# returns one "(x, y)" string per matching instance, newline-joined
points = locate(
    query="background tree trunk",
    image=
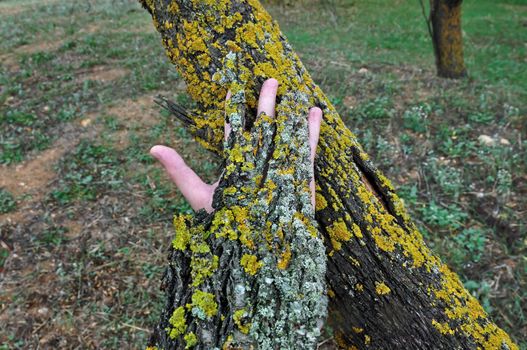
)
(386, 289)
(445, 16)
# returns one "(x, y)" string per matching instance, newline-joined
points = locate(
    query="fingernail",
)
(272, 82)
(154, 152)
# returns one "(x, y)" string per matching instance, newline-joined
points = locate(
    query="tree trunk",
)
(447, 38)
(386, 289)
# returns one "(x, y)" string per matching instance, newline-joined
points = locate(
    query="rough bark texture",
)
(447, 38)
(386, 289)
(251, 274)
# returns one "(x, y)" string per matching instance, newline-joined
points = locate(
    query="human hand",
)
(198, 193)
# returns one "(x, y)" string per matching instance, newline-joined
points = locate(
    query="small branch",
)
(427, 19)
(135, 327)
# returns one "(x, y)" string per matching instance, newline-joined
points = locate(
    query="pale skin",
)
(198, 193)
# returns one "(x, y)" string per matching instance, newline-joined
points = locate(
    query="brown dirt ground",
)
(40, 46)
(102, 74)
(14, 9)
(52, 311)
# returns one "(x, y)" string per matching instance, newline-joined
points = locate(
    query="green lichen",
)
(203, 268)
(178, 323)
(238, 317)
(250, 264)
(203, 304)
(182, 237)
(190, 340)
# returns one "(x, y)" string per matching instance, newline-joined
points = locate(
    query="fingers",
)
(314, 120)
(227, 130)
(267, 100)
(195, 191)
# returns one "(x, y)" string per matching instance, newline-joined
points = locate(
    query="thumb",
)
(195, 191)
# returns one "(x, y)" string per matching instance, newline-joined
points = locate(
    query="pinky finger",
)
(314, 120)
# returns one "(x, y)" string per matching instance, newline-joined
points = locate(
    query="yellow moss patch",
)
(468, 313)
(285, 257)
(178, 323)
(338, 232)
(203, 268)
(357, 330)
(444, 328)
(182, 237)
(320, 201)
(205, 302)
(250, 264)
(190, 340)
(381, 288)
(238, 317)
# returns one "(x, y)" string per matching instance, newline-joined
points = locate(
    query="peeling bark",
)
(447, 38)
(386, 289)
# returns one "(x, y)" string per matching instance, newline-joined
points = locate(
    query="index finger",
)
(267, 100)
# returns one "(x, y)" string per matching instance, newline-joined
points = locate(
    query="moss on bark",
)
(252, 273)
(386, 289)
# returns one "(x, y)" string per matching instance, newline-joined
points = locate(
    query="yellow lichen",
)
(338, 233)
(188, 47)
(250, 264)
(182, 237)
(202, 268)
(285, 257)
(381, 288)
(444, 328)
(357, 330)
(205, 302)
(229, 191)
(237, 317)
(228, 343)
(356, 231)
(320, 201)
(468, 313)
(178, 323)
(190, 340)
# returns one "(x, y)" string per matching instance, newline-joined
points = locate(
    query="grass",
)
(7, 201)
(77, 90)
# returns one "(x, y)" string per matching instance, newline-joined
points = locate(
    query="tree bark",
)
(447, 38)
(386, 289)
(252, 272)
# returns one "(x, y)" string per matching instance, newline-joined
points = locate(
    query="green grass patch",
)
(7, 201)
(88, 172)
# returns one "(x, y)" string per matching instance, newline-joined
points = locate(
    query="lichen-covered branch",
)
(251, 274)
(386, 289)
